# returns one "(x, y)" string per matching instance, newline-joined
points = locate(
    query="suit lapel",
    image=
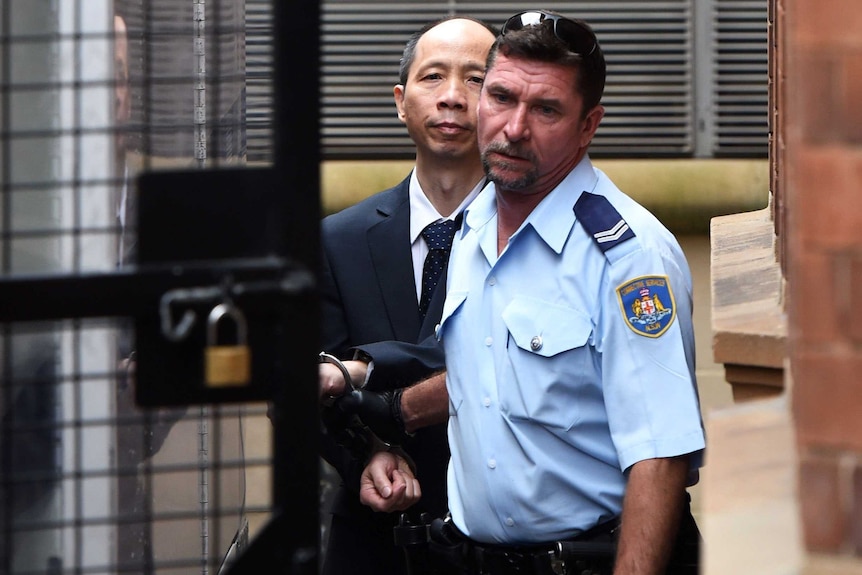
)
(389, 245)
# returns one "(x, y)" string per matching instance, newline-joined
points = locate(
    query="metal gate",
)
(127, 215)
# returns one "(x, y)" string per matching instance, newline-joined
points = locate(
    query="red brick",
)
(856, 510)
(824, 519)
(827, 398)
(810, 308)
(820, 98)
(824, 201)
(826, 22)
(851, 94)
(853, 319)
(828, 88)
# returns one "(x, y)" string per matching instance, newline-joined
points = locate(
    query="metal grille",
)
(258, 17)
(90, 483)
(655, 67)
(175, 47)
(741, 86)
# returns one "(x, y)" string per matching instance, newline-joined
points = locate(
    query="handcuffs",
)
(374, 443)
(324, 357)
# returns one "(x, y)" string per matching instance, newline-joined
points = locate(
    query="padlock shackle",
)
(220, 311)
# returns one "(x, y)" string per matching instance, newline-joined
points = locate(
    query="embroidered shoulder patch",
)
(647, 305)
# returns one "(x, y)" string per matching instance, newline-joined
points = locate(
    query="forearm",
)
(331, 380)
(426, 403)
(652, 508)
(400, 364)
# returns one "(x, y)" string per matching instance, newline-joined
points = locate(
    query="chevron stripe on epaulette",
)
(602, 221)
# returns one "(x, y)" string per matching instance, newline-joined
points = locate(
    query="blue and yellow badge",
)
(647, 304)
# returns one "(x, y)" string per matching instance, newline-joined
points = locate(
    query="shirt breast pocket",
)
(551, 366)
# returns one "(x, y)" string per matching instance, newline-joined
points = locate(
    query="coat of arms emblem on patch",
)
(647, 304)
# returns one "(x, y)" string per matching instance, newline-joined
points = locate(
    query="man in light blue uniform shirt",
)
(554, 389)
(567, 329)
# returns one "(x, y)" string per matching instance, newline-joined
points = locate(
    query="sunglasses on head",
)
(578, 38)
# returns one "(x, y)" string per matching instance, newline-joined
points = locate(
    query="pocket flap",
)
(544, 328)
(453, 301)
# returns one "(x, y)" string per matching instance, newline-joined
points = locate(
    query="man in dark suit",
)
(374, 269)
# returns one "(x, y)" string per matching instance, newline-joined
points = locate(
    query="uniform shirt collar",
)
(552, 219)
(422, 212)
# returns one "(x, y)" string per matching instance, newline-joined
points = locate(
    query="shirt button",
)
(492, 463)
(492, 281)
(536, 343)
(489, 340)
(510, 521)
(487, 402)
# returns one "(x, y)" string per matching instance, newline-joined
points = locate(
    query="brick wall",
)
(818, 72)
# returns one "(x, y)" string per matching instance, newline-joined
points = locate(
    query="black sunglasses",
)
(577, 37)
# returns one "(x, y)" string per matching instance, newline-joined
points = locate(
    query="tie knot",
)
(439, 235)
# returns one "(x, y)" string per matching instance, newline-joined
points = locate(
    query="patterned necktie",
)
(438, 236)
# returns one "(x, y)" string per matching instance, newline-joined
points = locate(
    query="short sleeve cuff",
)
(692, 444)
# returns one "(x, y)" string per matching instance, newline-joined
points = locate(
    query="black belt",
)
(590, 559)
(591, 553)
(510, 560)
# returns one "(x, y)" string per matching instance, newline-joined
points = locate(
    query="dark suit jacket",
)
(368, 295)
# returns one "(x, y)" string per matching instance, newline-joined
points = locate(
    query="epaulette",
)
(602, 221)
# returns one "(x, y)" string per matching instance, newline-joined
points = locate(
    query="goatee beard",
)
(526, 180)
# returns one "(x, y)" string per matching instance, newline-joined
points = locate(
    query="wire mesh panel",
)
(56, 156)
(94, 92)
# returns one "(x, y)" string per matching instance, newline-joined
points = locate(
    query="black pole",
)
(296, 55)
(289, 542)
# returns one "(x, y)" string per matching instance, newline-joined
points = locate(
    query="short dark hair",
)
(410, 48)
(538, 42)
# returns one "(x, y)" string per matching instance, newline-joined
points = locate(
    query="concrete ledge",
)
(684, 194)
(752, 382)
(748, 321)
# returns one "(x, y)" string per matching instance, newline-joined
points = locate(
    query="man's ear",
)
(591, 124)
(398, 92)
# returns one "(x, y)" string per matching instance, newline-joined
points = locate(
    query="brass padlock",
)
(227, 365)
